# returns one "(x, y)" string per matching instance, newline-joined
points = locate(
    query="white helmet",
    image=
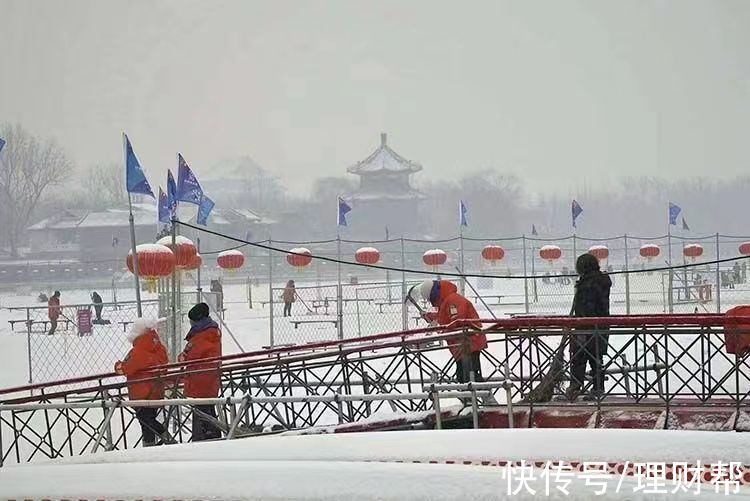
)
(425, 289)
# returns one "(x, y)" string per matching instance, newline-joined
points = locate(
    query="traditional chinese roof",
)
(384, 159)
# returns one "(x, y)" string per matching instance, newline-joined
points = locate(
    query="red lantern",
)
(154, 262)
(745, 248)
(299, 257)
(550, 253)
(650, 251)
(434, 257)
(600, 252)
(693, 251)
(196, 263)
(367, 255)
(184, 250)
(493, 253)
(230, 259)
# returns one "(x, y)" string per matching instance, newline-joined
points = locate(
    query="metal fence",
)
(343, 300)
(659, 362)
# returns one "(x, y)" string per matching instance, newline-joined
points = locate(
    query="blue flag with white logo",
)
(2, 143)
(576, 210)
(171, 195)
(188, 188)
(674, 212)
(344, 209)
(165, 215)
(462, 212)
(135, 179)
(204, 210)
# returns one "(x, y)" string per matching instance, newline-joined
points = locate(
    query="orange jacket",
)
(456, 310)
(204, 341)
(53, 308)
(147, 352)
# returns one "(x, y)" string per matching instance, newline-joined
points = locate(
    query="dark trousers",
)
(150, 427)
(52, 326)
(98, 309)
(203, 429)
(466, 365)
(588, 348)
(287, 309)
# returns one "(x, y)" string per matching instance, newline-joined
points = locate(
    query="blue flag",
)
(135, 179)
(2, 143)
(165, 215)
(533, 230)
(344, 209)
(674, 211)
(188, 188)
(462, 211)
(576, 210)
(204, 210)
(685, 225)
(171, 195)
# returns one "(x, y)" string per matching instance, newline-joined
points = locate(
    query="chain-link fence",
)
(84, 339)
(532, 276)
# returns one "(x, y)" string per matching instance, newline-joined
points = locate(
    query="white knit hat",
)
(425, 288)
(140, 326)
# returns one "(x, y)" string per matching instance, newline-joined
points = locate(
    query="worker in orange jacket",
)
(455, 310)
(140, 367)
(203, 342)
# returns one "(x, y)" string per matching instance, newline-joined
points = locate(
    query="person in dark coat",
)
(589, 344)
(96, 299)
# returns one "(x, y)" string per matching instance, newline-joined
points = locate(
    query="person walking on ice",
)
(289, 296)
(455, 310)
(140, 367)
(53, 311)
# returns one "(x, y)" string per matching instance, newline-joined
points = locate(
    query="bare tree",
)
(28, 168)
(104, 187)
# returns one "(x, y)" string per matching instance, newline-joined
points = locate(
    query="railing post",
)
(718, 276)
(627, 276)
(508, 387)
(525, 279)
(270, 292)
(404, 313)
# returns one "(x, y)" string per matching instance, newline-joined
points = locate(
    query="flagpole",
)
(339, 291)
(131, 220)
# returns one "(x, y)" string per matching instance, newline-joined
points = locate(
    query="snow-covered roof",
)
(116, 217)
(384, 159)
(407, 195)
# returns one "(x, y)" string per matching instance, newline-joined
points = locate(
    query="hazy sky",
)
(556, 91)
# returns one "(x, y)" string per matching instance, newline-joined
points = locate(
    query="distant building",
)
(90, 236)
(385, 197)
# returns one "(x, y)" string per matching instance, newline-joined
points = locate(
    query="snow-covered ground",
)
(370, 309)
(436, 465)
